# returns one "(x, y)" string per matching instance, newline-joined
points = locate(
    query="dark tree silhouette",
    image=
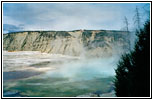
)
(133, 71)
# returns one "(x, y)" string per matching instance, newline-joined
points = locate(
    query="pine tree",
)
(133, 71)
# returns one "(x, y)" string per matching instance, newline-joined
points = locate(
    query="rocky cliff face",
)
(76, 43)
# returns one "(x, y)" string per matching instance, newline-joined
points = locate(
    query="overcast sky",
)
(67, 16)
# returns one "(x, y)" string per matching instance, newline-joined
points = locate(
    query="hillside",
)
(76, 43)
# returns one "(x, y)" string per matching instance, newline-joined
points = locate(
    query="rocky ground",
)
(91, 43)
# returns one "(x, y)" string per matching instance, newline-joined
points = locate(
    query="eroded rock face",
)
(76, 43)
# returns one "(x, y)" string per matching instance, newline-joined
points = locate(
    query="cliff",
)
(76, 43)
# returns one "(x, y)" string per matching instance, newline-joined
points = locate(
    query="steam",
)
(86, 69)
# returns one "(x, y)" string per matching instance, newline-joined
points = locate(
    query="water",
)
(35, 74)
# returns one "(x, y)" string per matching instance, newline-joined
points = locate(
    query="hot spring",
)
(35, 74)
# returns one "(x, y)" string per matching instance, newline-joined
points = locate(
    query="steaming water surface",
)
(29, 73)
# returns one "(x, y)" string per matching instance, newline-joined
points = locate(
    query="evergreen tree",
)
(133, 71)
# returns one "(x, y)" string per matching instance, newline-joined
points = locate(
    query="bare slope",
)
(75, 43)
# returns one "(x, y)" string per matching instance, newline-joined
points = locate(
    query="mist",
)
(86, 69)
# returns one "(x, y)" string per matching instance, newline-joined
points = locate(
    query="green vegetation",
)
(133, 72)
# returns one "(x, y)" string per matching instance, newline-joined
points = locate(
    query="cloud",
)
(66, 16)
(10, 20)
(11, 28)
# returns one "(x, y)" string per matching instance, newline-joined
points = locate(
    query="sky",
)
(68, 16)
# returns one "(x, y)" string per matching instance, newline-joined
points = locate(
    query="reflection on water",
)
(35, 74)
